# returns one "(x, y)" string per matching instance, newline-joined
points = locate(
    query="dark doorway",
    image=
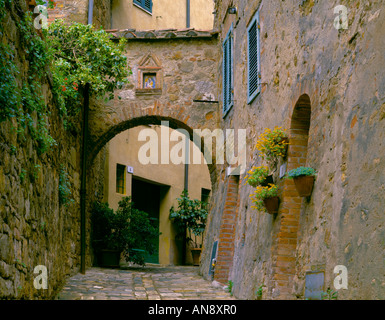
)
(146, 197)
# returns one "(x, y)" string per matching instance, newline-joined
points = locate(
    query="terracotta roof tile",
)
(162, 34)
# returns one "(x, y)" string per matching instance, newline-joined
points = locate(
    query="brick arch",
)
(284, 255)
(108, 121)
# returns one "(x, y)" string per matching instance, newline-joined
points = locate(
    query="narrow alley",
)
(147, 283)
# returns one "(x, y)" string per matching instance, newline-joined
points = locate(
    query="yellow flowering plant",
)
(272, 144)
(262, 193)
(257, 175)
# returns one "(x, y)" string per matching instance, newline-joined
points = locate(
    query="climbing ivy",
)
(83, 55)
(24, 101)
(75, 55)
(64, 188)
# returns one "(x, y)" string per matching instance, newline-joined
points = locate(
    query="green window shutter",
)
(228, 71)
(145, 4)
(253, 59)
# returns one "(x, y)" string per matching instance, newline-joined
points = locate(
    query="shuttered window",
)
(228, 91)
(253, 59)
(145, 4)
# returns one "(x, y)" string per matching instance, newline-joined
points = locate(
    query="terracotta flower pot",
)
(304, 185)
(196, 253)
(271, 204)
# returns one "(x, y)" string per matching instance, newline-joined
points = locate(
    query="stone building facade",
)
(325, 85)
(35, 228)
(320, 81)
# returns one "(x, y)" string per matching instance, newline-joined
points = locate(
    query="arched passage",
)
(136, 123)
(284, 257)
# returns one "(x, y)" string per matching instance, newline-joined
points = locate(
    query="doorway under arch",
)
(149, 122)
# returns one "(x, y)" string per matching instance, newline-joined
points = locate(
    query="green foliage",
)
(51, 3)
(229, 287)
(259, 291)
(22, 175)
(263, 192)
(83, 55)
(64, 188)
(329, 295)
(301, 171)
(75, 54)
(128, 230)
(191, 215)
(23, 101)
(257, 175)
(35, 172)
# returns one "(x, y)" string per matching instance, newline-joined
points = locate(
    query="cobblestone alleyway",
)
(148, 283)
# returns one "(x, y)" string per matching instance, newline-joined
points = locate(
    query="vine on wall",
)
(74, 54)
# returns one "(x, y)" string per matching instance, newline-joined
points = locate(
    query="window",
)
(253, 59)
(205, 196)
(228, 90)
(120, 179)
(144, 4)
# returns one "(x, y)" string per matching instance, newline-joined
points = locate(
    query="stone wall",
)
(34, 228)
(340, 73)
(77, 11)
(185, 67)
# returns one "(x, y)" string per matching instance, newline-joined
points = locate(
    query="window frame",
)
(229, 64)
(120, 179)
(142, 5)
(254, 20)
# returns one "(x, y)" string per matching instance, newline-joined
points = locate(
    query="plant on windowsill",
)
(127, 231)
(266, 198)
(303, 178)
(272, 144)
(190, 216)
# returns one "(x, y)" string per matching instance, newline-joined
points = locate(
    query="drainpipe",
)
(83, 189)
(186, 162)
(187, 14)
(90, 11)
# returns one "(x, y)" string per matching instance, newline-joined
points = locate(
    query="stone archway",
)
(284, 254)
(107, 121)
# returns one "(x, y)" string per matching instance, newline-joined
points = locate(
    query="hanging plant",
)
(272, 144)
(303, 178)
(257, 175)
(263, 193)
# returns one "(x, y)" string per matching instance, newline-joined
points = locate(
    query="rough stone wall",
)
(187, 72)
(34, 228)
(70, 10)
(342, 72)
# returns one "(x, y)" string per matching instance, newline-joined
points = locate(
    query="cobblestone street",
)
(148, 283)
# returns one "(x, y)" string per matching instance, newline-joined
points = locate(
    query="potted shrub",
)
(272, 144)
(190, 217)
(266, 198)
(127, 231)
(303, 178)
(105, 245)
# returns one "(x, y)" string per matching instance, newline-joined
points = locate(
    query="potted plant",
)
(127, 232)
(272, 144)
(190, 217)
(266, 198)
(105, 244)
(303, 178)
(259, 176)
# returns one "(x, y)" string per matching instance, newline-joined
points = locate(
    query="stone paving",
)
(142, 283)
